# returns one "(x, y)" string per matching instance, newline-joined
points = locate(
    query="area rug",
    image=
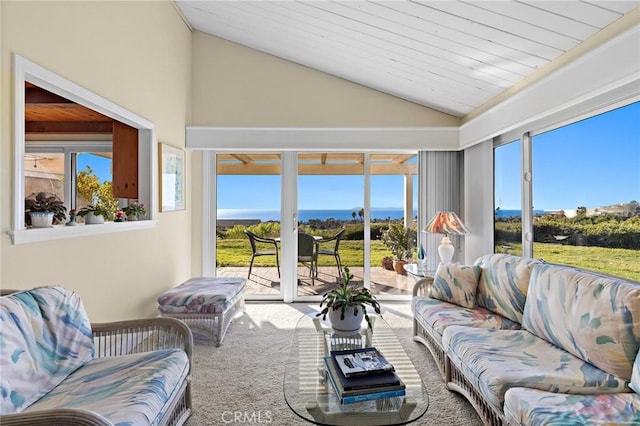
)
(241, 381)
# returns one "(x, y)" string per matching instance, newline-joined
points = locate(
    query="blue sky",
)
(592, 163)
(101, 166)
(314, 192)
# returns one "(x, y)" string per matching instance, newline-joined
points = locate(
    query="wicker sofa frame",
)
(454, 380)
(116, 339)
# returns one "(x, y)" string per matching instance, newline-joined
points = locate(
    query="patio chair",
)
(255, 252)
(332, 252)
(307, 254)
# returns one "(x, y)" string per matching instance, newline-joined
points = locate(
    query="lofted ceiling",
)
(452, 56)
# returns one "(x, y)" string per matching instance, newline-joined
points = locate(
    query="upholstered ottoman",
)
(205, 303)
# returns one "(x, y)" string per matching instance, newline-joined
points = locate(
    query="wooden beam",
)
(402, 158)
(317, 169)
(68, 127)
(242, 157)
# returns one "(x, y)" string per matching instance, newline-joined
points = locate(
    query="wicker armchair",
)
(121, 338)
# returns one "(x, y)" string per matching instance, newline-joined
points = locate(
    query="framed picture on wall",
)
(172, 175)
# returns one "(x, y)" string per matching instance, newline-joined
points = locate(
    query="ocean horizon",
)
(306, 215)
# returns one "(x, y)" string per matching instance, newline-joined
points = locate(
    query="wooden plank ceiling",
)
(452, 56)
(48, 113)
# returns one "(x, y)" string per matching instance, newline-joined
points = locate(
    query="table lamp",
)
(446, 223)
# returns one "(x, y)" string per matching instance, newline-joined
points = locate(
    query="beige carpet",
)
(241, 381)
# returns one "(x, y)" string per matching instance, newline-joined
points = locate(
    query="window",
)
(55, 166)
(30, 152)
(586, 189)
(507, 199)
(585, 192)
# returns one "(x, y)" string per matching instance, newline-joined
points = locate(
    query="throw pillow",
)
(456, 284)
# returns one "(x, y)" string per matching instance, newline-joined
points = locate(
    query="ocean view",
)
(339, 214)
(306, 215)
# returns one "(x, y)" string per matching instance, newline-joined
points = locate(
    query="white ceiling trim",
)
(321, 139)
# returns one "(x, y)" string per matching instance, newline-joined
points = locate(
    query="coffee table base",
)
(392, 417)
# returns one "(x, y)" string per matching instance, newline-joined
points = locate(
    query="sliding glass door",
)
(330, 219)
(248, 189)
(292, 222)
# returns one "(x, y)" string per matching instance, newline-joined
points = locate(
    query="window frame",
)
(27, 71)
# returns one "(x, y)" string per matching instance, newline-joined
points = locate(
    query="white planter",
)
(41, 219)
(92, 219)
(350, 324)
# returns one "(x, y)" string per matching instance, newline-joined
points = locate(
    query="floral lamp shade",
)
(446, 223)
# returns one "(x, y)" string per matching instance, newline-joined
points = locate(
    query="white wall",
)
(137, 55)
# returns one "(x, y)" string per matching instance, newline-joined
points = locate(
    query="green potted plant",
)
(135, 211)
(401, 242)
(43, 209)
(95, 214)
(346, 305)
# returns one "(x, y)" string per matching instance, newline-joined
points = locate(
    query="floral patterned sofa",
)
(58, 368)
(528, 342)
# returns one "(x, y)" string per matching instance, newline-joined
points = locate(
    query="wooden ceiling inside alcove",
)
(47, 113)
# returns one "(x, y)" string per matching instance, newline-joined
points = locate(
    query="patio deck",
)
(265, 281)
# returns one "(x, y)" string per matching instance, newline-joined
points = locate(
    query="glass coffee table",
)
(309, 394)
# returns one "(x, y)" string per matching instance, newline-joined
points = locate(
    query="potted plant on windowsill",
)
(43, 209)
(346, 305)
(135, 211)
(401, 242)
(95, 214)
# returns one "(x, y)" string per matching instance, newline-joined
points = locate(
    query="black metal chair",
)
(307, 254)
(255, 252)
(332, 252)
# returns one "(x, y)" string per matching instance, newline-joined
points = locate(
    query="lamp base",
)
(446, 250)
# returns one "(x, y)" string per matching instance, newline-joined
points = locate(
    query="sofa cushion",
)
(129, 389)
(45, 335)
(635, 376)
(524, 406)
(503, 284)
(456, 284)
(592, 316)
(496, 360)
(436, 315)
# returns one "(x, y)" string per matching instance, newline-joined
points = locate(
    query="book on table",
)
(361, 362)
(386, 385)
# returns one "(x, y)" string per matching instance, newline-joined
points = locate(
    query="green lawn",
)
(238, 253)
(619, 262)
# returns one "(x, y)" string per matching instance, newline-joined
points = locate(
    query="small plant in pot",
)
(43, 209)
(346, 305)
(95, 214)
(401, 242)
(134, 211)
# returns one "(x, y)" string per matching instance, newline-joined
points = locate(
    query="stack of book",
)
(361, 375)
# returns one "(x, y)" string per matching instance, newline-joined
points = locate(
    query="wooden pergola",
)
(327, 163)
